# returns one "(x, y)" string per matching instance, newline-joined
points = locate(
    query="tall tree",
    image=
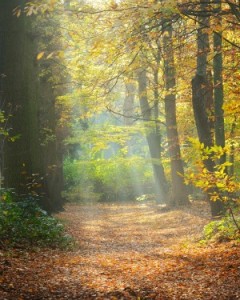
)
(179, 190)
(218, 81)
(202, 98)
(28, 167)
(152, 137)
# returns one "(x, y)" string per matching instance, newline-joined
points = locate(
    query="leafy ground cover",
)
(130, 251)
(23, 223)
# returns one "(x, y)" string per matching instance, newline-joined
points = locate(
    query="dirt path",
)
(126, 252)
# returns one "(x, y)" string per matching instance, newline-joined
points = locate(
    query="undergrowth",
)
(23, 223)
(223, 230)
(115, 179)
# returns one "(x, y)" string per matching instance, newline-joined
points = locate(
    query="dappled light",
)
(127, 252)
(119, 149)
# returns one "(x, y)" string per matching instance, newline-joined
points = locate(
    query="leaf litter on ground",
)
(126, 251)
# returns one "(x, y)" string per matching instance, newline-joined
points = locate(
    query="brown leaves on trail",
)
(126, 252)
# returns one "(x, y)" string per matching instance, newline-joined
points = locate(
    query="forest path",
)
(131, 251)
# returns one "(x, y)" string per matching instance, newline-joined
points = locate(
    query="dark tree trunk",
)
(25, 159)
(20, 90)
(202, 99)
(51, 146)
(218, 84)
(200, 93)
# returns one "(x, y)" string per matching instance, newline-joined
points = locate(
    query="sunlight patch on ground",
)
(127, 252)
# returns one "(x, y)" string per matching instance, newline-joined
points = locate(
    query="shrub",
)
(23, 223)
(223, 230)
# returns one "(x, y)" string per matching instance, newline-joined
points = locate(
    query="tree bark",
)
(202, 99)
(232, 147)
(25, 169)
(128, 106)
(152, 139)
(179, 189)
(218, 85)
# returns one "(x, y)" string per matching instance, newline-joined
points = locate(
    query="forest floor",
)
(130, 251)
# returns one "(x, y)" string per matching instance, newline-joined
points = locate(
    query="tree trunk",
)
(202, 99)
(218, 85)
(179, 189)
(232, 147)
(128, 106)
(51, 147)
(24, 166)
(156, 102)
(152, 139)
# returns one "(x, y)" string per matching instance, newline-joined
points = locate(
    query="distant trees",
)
(162, 45)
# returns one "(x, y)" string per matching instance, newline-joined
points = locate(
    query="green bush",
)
(222, 230)
(23, 223)
(115, 179)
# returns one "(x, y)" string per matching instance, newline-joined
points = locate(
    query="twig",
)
(234, 220)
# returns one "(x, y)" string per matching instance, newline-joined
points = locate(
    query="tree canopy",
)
(119, 118)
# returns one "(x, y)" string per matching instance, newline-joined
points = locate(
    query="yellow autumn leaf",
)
(40, 55)
(18, 13)
(50, 55)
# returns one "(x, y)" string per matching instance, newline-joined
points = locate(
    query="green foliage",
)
(23, 223)
(222, 230)
(222, 185)
(4, 128)
(47, 136)
(113, 179)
